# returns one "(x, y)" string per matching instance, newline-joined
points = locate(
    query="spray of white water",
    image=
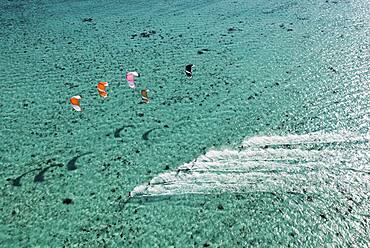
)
(264, 163)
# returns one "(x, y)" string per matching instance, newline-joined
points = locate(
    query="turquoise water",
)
(267, 145)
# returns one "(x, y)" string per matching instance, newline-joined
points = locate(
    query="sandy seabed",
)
(291, 76)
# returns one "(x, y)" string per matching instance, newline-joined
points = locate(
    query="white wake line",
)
(255, 168)
(206, 183)
(313, 138)
(270, 154)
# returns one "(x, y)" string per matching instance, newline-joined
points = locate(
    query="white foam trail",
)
(268, 155)
(256, 168)
(312, 138)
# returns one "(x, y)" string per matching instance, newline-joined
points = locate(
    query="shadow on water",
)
(117, 132)
(40, 177)
(71, 165)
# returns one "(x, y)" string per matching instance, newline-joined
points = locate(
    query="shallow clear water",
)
(266, 145)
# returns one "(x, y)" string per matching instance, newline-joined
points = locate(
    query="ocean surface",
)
(266, 145)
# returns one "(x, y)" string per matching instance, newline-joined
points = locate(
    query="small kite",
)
(130, 77)
(189, 70)
(144, 95)
(75, 101)
(102, 89)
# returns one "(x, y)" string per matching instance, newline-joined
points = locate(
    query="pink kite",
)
(130, 77)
